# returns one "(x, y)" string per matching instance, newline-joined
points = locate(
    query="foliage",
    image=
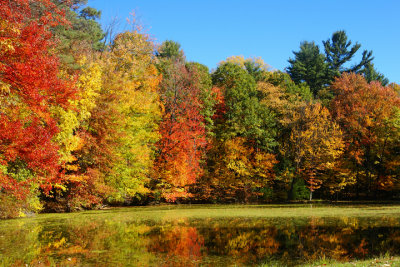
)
(338, 54)
(240, 161)
(309, 66)
(87, 121)
(183, 127)
(82, 35)
(31, 85)
(170, 50)
(299, 190)
(256, 67)
(368, 113)
(371, 74)
(319, 71)
(316, 144)
(245, 116)
(130, 101)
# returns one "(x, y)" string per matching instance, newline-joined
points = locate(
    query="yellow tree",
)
(316, 144)
(78, 186)
(249, 168)
(127, 114)
(79, 111)
(280, 94)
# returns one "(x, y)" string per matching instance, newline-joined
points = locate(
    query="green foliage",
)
(299, 190)
(371, 74)
(83, 36)
(338, 54)
(170, 50)
(207, 97)
(245, 116)
(256, 67)
(309, 66)
(319, 71)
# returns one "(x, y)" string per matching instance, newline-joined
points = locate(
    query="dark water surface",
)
(201, 236)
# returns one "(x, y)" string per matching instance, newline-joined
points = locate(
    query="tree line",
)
(88, 120)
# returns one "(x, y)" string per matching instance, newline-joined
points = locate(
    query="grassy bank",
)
(384, 261)
(381, 262)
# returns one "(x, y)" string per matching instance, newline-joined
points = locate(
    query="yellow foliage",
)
(246, 162)
(9, 32)
(241, 61)
(317, 143)
(60, 186)
(130, 88)
(88, 85)
(4, 87)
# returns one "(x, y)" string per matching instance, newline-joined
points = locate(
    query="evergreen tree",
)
(339, 51)
(309, 66)
(371, 74)
(82, 36)
(319, 71)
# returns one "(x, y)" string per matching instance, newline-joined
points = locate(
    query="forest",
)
(91, 117)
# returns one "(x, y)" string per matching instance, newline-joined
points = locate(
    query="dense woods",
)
(89, 118)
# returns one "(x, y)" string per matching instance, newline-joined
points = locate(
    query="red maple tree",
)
(31, 85)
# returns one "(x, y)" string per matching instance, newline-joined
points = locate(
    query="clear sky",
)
(210, 31)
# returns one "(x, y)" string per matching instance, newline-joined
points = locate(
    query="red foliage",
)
(32, 74)
(181, 243)
(361, 109)
(220, 106)
(364, 111)
(183, 135)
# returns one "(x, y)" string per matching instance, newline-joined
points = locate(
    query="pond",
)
(201, 235)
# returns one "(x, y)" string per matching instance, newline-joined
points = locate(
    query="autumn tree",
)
(316, 144)
(240, 161)
(279, 93)
(368, 115)
(79, 188)
(31, 85)
(123, 127)
(183, 125)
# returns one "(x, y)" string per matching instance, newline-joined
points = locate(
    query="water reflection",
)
(107, 241)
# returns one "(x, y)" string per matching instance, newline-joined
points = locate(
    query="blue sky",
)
(210, 31)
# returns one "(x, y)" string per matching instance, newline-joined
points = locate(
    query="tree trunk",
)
(310, 195)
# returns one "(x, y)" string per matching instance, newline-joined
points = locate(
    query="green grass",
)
(381, 261)
(173, 212)
(283, 210)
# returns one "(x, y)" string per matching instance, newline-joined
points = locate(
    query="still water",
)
(201, 236)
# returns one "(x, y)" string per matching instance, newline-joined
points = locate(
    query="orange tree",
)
(368, 114)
